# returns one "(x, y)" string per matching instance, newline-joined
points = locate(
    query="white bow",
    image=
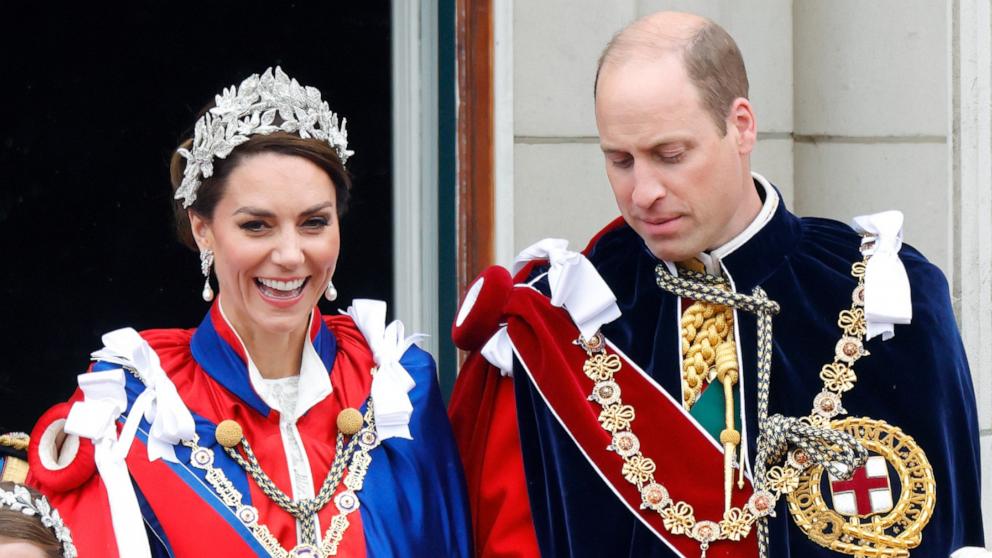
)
(391, 384)
(171, 422)
(95, 417)
(887, 293)
(499, 352)
(575, 285)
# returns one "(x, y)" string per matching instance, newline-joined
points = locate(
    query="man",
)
(687, 429)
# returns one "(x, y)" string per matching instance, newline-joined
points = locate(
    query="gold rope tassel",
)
(710, 354)
(727, 374)
(704, 326)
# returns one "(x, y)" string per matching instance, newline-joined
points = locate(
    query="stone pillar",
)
(970, 177)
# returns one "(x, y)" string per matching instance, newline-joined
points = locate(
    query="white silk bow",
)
(391, 383)
(887, 292)
(160, 404)
(575, 285)
(95, 417)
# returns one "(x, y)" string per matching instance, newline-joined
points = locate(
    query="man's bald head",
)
(709, 54)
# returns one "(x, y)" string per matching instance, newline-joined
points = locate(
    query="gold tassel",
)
(727, 374)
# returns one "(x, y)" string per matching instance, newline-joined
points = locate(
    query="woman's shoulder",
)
(168, 339)
(131, 349)
(363, 332)
(346, 332)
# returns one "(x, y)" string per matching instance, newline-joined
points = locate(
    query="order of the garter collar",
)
(251, 109)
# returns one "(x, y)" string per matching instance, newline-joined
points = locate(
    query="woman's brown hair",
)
(28, 528)
(211, 190)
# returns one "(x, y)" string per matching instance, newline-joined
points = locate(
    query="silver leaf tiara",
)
(250, 109)
(20, 500)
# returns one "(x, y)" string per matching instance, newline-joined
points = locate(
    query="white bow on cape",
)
(95, 417)
(391, 383)
(887, 293)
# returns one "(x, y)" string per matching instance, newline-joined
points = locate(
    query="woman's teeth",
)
(282, 285)
(276, 288)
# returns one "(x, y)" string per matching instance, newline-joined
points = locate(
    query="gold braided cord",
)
(17, 440)
(726, 361)
(705, 326)
(710, 354)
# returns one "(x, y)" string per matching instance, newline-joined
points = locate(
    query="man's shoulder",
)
(823, 234)
(835, 237)
(828, 248)
(614, 246)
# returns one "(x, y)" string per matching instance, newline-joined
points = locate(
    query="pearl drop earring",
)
(206, 261)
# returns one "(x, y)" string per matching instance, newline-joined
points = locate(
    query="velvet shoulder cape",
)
(918, 381)
(412, 502)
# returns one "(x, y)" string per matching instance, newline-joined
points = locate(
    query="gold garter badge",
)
(864, 520)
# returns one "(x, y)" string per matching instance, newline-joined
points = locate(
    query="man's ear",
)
(741, 120)
(202, 233)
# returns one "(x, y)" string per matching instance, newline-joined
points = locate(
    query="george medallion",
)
(865, 518)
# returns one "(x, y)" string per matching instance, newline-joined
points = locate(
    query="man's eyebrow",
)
(660, 143)
(666, 142)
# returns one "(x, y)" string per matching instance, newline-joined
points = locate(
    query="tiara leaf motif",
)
(20, 500)
(251, 109)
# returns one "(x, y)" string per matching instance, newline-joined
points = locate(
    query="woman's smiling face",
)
(275, 238)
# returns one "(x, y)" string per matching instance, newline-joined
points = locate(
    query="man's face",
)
(681, 185)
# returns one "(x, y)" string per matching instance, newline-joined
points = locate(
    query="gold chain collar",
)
(678, 517)
(347, 501)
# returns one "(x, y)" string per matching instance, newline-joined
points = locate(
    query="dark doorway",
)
(96, 97)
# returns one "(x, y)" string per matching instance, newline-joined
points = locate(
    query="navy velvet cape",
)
(919, 381)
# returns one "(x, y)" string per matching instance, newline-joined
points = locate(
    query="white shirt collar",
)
(712, 259)
(315, 380)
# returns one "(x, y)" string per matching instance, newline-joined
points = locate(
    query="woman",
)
(29, 527)
(269, 429)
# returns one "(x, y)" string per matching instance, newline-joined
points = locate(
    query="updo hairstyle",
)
(211, 190)
(20, 527)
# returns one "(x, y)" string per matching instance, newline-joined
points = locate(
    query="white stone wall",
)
(871, 114)
(854, 109)
(557, 163)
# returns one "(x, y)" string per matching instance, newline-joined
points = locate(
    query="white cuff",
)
(499, 352)
(53, 458)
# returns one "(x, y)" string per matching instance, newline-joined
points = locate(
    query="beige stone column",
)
(970, 178)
